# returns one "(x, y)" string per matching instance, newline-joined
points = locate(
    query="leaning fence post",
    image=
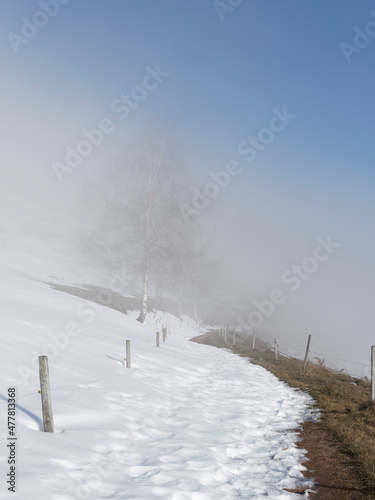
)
(373, 374)
(157, 339)
(307, 353)
(45, 392)
(128, 359)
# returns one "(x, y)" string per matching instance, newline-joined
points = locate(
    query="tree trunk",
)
(142, 316)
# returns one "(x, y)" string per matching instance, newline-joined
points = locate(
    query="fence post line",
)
(373, 374)
(45, 392)
(128, 358)
(307, 353)
(157, 339)
(254, 337)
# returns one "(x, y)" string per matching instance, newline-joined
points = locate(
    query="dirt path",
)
(334, 476)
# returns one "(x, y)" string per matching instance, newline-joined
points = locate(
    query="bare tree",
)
(140, 231)
(142, 221)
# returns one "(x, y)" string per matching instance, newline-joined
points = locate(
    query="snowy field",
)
(186, 422)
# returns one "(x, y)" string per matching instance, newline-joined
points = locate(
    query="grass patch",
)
(344, 401)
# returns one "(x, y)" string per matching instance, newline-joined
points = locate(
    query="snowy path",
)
(187, 422)
(210, 433)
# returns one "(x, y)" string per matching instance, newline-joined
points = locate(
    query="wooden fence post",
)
(276, 350)
(373, 374)
(164, 333)
(254, 337)
(225, 335)
(45, 392)
(307, 353)
(234, 337)
(157, 339)
(128, 358)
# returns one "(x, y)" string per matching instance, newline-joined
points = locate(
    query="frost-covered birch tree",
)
(155, 220)
(140, 224)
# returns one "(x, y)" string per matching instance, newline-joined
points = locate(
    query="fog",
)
(272, 118)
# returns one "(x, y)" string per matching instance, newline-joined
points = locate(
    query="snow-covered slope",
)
(186, 422)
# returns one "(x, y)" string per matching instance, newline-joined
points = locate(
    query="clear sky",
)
(228, 69)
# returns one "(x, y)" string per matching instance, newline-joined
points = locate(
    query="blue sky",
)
(225, 78)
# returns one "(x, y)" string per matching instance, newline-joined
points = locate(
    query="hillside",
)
(185, 422)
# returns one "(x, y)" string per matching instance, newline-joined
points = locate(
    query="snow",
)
(186, 422)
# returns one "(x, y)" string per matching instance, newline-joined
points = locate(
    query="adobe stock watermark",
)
(249, 149)
(293, 278)
(102, 468)
(102, 465)
(223, 6)
(57, 342)
(31, 26)
(361, 40)
(121, 108)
